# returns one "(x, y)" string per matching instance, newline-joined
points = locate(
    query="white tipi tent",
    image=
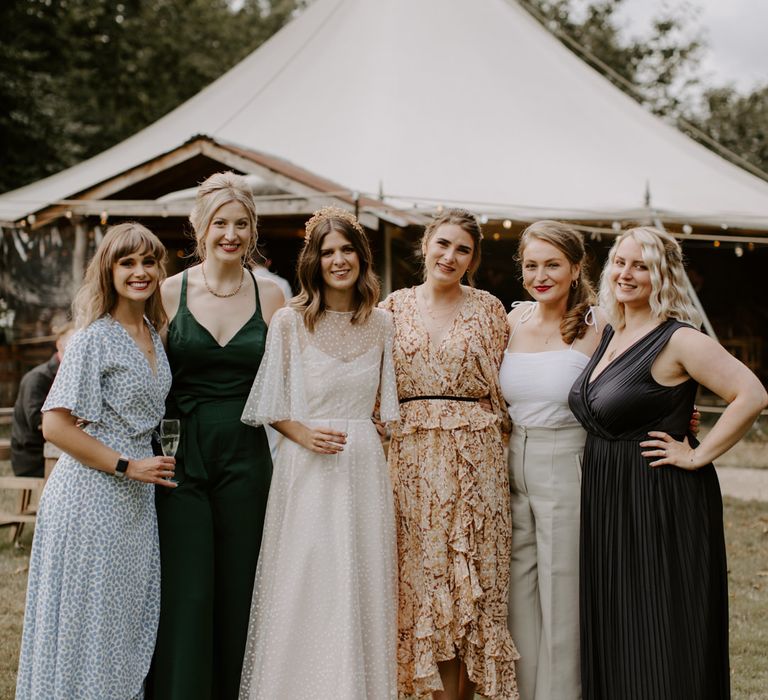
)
(438, 102)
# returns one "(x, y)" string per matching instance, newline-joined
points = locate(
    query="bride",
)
(323, 619)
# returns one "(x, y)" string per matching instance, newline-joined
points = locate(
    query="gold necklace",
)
(552, 335)
(220, 295)
(444, 314)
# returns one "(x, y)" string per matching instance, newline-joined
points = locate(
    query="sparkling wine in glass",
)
(170, 433)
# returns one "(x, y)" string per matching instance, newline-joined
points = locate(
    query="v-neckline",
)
(437, 347)
(607, 339)
(213, 337)
(153, 369)
(185, 301)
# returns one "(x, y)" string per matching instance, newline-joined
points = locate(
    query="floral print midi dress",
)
(452, 498)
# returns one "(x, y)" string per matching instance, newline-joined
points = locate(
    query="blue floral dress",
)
(93, 595)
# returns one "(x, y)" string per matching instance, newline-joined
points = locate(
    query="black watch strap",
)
(121, 467)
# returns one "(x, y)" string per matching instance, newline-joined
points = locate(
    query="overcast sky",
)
(736, 31)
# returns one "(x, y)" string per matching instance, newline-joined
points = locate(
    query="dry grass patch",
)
(746, 531)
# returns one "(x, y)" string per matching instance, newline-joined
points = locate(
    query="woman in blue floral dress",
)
(93, 595)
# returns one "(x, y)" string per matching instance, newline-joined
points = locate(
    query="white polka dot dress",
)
(94, 576)
(323, 620)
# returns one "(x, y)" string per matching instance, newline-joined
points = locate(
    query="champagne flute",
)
(170, 433)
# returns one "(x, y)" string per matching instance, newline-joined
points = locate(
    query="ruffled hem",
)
(455, 614)
(479, 637)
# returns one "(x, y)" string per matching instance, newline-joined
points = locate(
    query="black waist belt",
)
(439, 398)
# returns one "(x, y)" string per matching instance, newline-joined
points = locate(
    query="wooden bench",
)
(28, 491)
(6, 416)
(26, 506)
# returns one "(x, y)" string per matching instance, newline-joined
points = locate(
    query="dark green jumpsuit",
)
(210, 525)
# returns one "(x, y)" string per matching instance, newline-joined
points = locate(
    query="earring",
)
(575, 283)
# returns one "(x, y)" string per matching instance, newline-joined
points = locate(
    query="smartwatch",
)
(121, 467)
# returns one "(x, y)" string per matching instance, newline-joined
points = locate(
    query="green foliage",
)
(77, 76)
(659, 65)
(660, 68)
(738, 122)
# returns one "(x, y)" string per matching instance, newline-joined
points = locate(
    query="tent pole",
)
(78, 256)
(691, 291)
(387, 278)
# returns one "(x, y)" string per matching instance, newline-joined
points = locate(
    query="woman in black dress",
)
(654, 600)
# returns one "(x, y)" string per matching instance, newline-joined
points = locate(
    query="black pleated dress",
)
(654, 598)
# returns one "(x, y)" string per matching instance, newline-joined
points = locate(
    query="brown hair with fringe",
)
(468, 222)
(571, 244)
(97, 296)
(212, 194)
(309, 301)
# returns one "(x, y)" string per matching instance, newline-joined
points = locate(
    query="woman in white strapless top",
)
(551, 341)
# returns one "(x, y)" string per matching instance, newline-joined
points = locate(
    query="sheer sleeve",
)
(278, 390)
(388, 407)
(77, 386)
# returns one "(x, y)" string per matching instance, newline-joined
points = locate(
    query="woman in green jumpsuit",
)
(210, 525)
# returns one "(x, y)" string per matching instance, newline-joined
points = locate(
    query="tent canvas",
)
(433, 102)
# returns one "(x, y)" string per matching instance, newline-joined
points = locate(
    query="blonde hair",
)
(663, 256)
(212, 194)
(97, 296)
(309, 301)
(571, 244)
(468, 222)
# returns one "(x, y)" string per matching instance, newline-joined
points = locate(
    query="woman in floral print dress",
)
(93, 596)
(450, 477)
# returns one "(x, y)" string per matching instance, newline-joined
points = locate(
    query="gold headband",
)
(331, 213)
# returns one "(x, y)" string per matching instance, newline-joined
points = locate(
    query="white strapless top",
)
(536, 386)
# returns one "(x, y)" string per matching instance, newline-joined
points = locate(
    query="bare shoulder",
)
(600, 318)
(270, 296)
(686, 338)
(518, 309)
(170, 293)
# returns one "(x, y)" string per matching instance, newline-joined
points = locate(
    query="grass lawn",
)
(746, 530)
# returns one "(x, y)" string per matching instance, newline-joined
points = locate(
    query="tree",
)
(737, 121)
(657, 68)
(77, 76)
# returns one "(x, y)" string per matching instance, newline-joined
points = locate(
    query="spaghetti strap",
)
(527, 313)
(183, 297)
(590, 320)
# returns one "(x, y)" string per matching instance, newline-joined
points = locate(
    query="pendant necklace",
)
(438, 316)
